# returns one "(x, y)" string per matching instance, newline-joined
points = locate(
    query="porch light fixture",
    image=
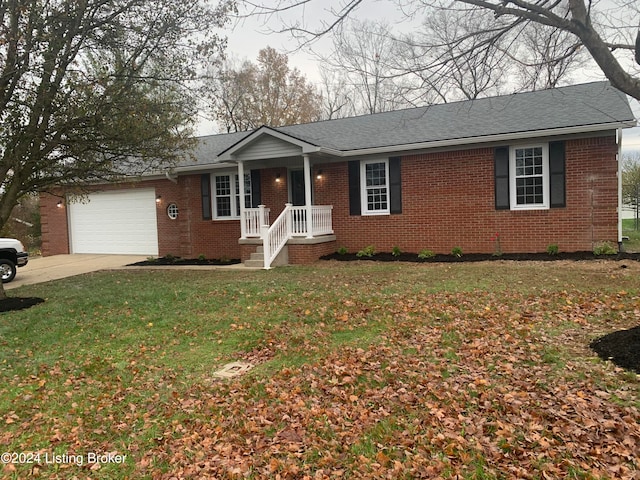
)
(59, 204)
(158, 198)
(277, 178)
(319, 175)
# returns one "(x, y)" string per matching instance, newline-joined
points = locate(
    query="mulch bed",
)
(184, 261)
(481, 257)
(621, 347)
(10, 304)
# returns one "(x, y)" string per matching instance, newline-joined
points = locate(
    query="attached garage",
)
(116, 222)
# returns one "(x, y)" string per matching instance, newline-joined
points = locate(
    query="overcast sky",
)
(250, 35)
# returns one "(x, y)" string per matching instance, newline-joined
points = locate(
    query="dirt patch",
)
(10, 304)
(621, 347)
(185, 261)
(481, 257)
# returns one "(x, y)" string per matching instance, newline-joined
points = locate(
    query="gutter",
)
(505, 137)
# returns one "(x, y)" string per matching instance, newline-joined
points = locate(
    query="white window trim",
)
(545, 205)
(172, 211)
(235, 215)
(363, 187)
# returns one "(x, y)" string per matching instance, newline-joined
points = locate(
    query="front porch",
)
(278, 170)
(300, 234)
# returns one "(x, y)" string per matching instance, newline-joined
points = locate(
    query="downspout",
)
(619, 139)
(171, 176)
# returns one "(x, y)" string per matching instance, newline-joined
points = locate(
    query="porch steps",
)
(257, 258)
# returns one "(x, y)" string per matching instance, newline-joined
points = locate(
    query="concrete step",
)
(256, 259)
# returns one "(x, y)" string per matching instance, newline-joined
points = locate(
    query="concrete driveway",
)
(43, 269)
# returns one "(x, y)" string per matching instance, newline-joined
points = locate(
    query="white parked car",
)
(12, 255)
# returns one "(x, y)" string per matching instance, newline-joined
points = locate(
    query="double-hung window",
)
(374, 178)
(226, 199)
(529, 177)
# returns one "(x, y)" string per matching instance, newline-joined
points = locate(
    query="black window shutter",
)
(256, 193)
(557, 174)
(205, 189)
(501, 173)
(354, 188)
(395, 185)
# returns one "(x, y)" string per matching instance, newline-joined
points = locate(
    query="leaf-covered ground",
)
(363, 371)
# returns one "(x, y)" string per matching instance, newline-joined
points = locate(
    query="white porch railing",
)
(321, 222)
(275, 237)
(254, 219)
(292, 222)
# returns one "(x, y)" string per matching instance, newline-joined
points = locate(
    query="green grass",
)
(629, 230)
(377, 368)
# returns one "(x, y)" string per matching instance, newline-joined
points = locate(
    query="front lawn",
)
(629, 230)
(471, 371)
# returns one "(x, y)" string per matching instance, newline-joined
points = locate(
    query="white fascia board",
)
(228, 155)
(506, 137)
(203, 167)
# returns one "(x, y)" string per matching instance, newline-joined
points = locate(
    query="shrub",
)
(456, 252)
(201, 257)
(425, 254)
(395, 251)
(342, 251)
(368, 251)
(604, 248)
(553, 249)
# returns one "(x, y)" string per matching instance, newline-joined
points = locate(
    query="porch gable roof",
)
(275, 144)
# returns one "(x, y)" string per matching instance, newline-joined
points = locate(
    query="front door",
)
(297, 187)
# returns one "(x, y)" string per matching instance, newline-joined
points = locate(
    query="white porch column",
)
(307, 195)
(243, 225)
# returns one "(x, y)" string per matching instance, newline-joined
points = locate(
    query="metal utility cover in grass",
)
(233, 370)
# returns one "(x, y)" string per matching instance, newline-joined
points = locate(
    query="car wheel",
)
(7, 270)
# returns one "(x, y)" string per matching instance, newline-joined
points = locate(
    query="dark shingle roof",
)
(579, 105)
(586, 105)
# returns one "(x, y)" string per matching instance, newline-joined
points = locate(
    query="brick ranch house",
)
(537, 168)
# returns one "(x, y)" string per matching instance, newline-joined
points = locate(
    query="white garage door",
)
(119, 222)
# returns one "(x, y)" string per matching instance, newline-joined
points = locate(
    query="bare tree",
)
(451, 61)
(607, 30)
(631, 179)
(365, 52)
(337, 95)
(547, 57)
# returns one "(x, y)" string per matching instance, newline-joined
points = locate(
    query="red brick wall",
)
(448, 201)
(55, 233)
(187, 236)
(274, 190)
(306, 254)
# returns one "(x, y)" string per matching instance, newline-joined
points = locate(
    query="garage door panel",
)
(118, 222)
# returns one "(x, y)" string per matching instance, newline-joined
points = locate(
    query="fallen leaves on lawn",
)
(455, 386)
